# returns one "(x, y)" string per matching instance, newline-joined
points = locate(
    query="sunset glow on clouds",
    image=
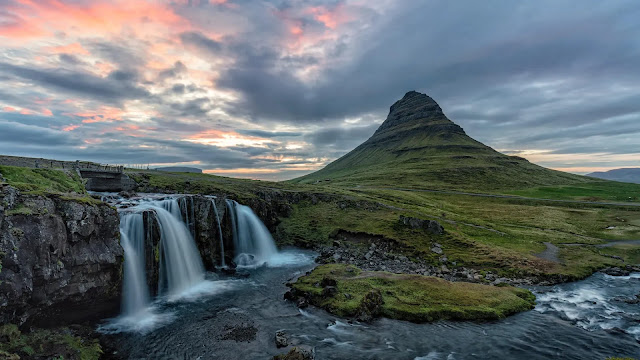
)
(276, 89)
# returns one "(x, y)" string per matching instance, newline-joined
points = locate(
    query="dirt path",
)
(515, 197)
(550, 253)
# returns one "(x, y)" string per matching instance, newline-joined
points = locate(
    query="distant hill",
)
(630, 175)
(418, 146)
(180, 169)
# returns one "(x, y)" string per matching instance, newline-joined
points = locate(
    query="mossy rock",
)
(365, 295)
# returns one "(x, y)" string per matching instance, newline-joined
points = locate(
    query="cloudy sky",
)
(276, 89)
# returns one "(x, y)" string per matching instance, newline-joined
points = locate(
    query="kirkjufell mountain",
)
(418, 146)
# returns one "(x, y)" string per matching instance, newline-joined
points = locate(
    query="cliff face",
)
(61, 259)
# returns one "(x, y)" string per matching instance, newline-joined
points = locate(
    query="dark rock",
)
(62, 262)
(300, 352)
(127, 194)
(430, 226)
(302, 303)
(329, 291)
(328, 282)
(281, 339)
(616, 271)
(370, 306)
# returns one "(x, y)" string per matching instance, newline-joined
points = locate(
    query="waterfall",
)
(252, 241)
(180, 263)
(215, 211)
(135, 293)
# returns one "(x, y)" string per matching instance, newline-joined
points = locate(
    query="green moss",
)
(57, 343)
(411, 297)
(20, 209)
(42, 181)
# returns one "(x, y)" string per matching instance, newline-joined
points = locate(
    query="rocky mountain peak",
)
(413, 106)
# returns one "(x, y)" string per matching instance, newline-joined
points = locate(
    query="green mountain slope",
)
(418, 146)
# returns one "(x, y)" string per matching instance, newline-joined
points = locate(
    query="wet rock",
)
(300, 352)
(281, 339)
(302, 303)
(127, 194)
(616, 271)
(239, 333)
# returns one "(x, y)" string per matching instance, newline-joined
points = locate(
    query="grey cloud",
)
(201, 41)
(13, 134)
(116, 87)
(269, 134)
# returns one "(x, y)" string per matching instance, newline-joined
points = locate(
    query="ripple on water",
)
(595, 305)
(157, 315)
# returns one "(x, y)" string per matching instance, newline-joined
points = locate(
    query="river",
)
(236, 318)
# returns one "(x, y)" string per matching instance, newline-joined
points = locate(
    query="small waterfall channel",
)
(252, 241)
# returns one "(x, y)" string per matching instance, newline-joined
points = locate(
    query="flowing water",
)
(566, 324)
(252, 241)
(215, 213)
(208, 316)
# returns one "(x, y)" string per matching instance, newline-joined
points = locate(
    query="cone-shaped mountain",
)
(418, 146)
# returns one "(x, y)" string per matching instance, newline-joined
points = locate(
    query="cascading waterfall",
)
(215, 211)
(180, 263)
(135, 293)
(187, 211)
(252, 241)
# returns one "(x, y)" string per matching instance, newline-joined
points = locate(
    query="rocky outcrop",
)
(430, 226)
(414, 106)
(61, 259)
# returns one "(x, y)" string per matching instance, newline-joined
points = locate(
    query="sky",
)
(277, 89)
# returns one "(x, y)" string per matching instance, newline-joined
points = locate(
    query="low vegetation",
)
(46, 344)
(43, 181)
(414, 298)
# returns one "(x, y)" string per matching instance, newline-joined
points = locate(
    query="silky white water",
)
(135, 295)
(252, 241)
(215, 212)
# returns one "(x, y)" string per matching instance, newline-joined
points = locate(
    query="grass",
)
(413, 298)
(57, 343)
(484, 233)
(42, 181)
(594, 191)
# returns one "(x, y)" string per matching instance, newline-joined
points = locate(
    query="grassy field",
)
(595, 191)
(498, 234)
(503, 235)
(43, 180)
(409, 297)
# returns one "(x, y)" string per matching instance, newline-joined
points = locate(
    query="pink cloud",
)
(70, 127)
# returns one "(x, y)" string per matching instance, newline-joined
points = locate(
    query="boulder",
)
(281, 339)
(301, 352)
(370, 306)
(430, 226)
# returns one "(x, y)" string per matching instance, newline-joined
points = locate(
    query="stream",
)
(238, 318)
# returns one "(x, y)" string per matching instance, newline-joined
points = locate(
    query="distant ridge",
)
(180, 169)
(418, 146)
(630, 175)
